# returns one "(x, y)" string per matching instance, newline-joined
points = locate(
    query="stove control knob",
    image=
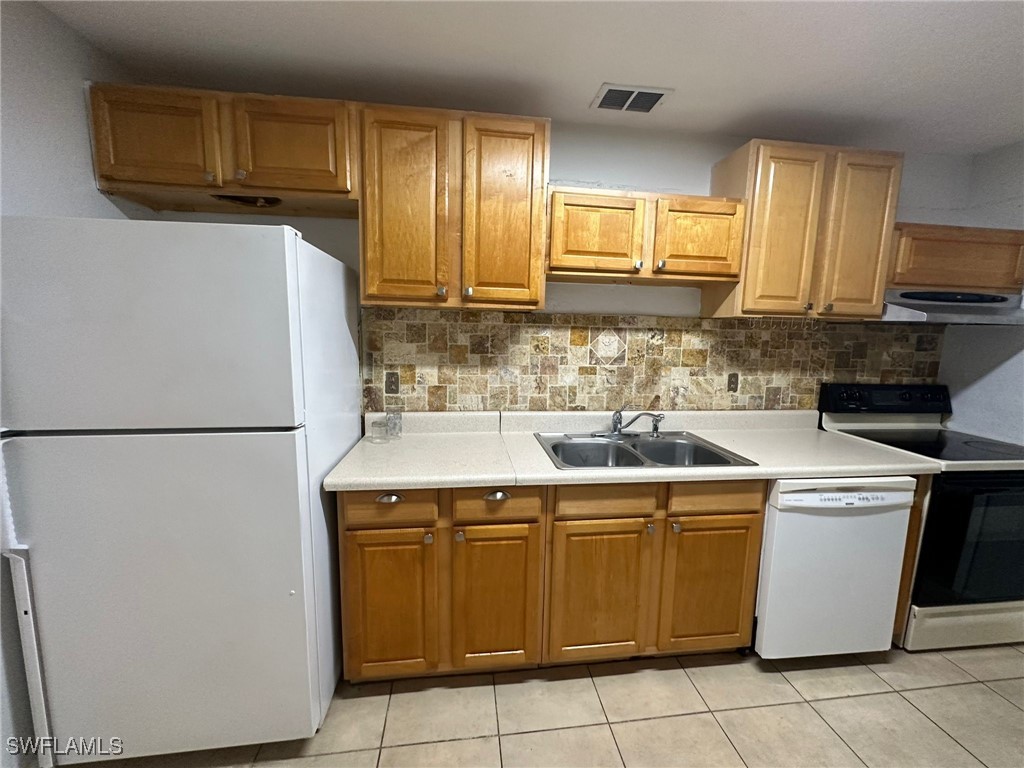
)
(906, 397)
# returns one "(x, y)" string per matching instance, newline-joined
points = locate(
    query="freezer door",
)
(113, 324)
(172, 579)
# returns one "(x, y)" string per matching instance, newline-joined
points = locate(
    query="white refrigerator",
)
(172, 396)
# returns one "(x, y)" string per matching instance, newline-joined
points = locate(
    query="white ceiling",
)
(917, 76)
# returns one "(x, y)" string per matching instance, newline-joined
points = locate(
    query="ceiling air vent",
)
(629, 98)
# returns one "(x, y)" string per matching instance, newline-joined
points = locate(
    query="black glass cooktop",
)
(944, 444)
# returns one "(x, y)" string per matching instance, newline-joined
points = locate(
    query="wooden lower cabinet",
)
(390, 602)
(709, 582)
(496, 595)
(600, 573)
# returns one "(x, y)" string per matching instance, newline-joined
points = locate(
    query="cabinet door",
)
(503, 209)
(596, 233)
(599, 585)
(698, 237)
(496, 584)
(389, 583)
(405, 204)
(959, 257)
(709, 582)
(858, 241)
(783, 229)
(291, 143)
(156, 135)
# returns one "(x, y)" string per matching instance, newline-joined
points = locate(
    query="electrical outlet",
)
(391, 383)
(734, 382)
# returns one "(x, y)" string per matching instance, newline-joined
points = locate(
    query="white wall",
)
(984, 365)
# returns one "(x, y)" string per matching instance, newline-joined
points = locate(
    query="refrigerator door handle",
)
(21, 577)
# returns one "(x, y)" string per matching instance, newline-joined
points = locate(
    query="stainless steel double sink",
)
(604, 451)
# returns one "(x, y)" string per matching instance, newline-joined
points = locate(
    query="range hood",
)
(952, 307)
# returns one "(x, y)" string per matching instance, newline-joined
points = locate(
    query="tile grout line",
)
(969, 674)
(711, 712)
(1018, 706)
(929, 719)
(590, 673)
(494, 695)
(384, 727)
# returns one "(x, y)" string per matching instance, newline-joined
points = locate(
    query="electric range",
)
(968, 584)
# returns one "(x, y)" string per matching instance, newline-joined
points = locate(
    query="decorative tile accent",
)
(474, 360)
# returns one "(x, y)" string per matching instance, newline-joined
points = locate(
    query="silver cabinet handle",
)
(677, 528)
(661, 264)
(241, 175)
(497, 496)
(827, 308)
(468, 291)
(650, 527)
(808, 306)
(442, 290)
(638, 265)
(208, 177)
(460, 536)
(428, 538)
(390, 498)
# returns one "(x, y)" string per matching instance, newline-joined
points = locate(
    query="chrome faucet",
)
(618, 426)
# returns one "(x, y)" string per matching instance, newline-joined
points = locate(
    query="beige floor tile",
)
(631, 690)
(232, 757)
(791, 735)
(589, 747)
(691, 741)
(469, 753)
(366, 758)
(535, 700)
(886, 731)
(986, 724)
(831, 677)
(1011, 690)
(727, 681)
(904, 670)
(996, 663)
(439, 709)
(354, 721)
(1020, 647)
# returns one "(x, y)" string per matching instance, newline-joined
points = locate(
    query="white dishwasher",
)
(831, 564)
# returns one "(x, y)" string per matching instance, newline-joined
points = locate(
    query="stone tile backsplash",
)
(480, 360)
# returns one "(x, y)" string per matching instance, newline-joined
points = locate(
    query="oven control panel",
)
(884, 398)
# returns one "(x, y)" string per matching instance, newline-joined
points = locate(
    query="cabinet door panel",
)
(959, 257)
(596, 233)
(496, 582)
(390, 604)
(709, 582)
(292, 143)
(405, 204)
(784, 229)
(699, 237)
(156, 135)
(858, 242)
(503, 209)
(599, 586)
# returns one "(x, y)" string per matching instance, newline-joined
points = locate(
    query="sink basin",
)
(670, 449)
(680, 452)
(595, 453)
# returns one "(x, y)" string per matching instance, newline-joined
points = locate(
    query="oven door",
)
(972, 550)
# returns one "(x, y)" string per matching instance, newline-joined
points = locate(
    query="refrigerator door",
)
(113, 324)
(172, 580)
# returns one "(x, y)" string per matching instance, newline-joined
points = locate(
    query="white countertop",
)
(782, 443)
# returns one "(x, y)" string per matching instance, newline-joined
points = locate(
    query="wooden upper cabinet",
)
(931, 256)
(405, 204)
(858, 240)
(786, 204)
(496, 595)
(600, 582)
(156, 135)
(291, 143)
(592, 232)
(503, 222)
(390, 601)
(698, 236)
(709, 582)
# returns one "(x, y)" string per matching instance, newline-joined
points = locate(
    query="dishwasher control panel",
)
(830, 500)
